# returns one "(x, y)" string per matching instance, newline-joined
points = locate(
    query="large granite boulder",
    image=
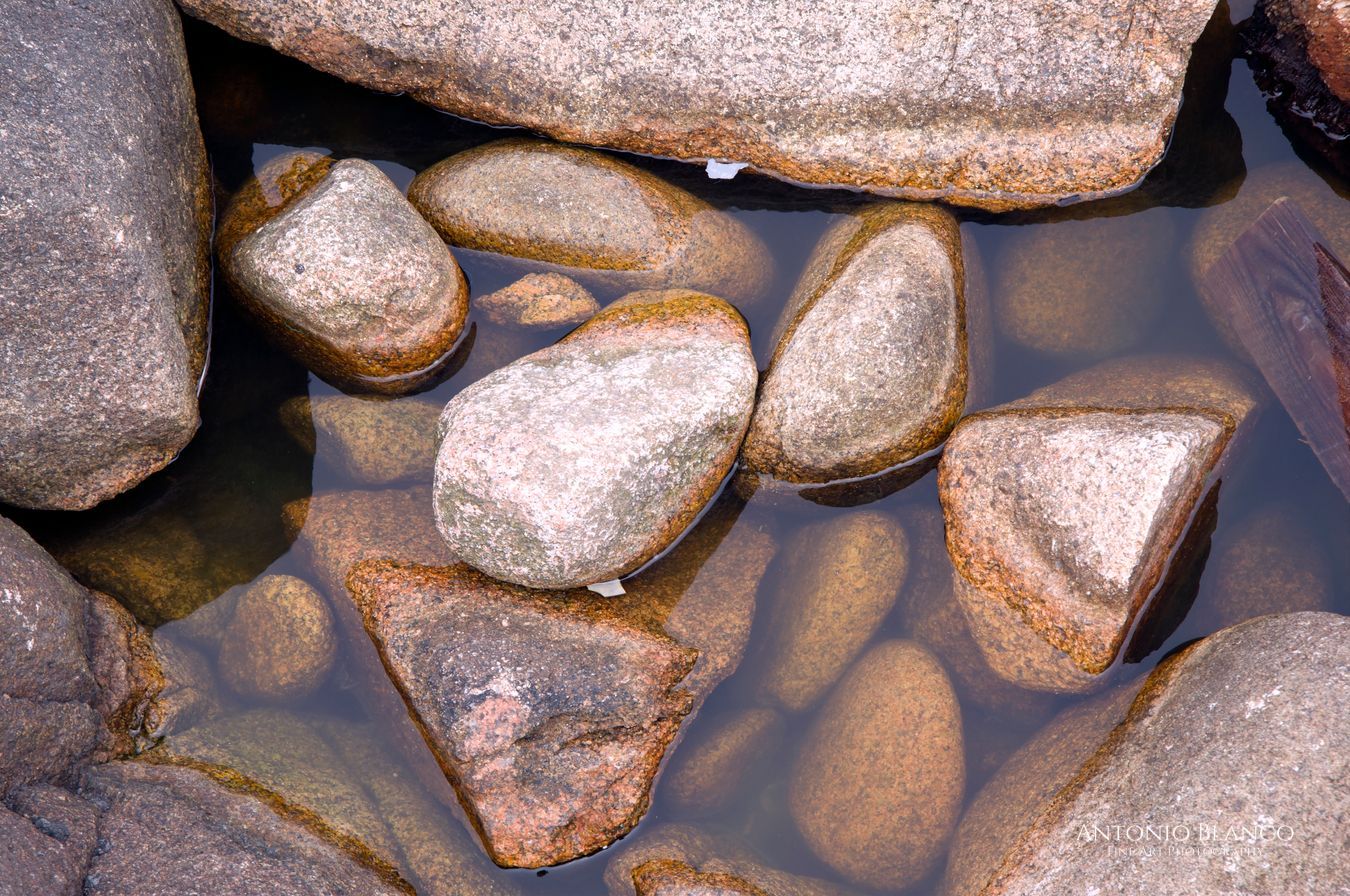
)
(989, 103)
(1066, 512)
(1224, 775)
(105, 222)
(579, 463)
(551, 711)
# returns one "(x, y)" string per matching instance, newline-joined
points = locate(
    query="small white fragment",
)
(612, 588)
(723, 170)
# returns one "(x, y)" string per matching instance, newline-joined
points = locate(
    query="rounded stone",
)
(592, 217)
(345, 275)
(579, 463)
(869, 368)
(281, 643)
(839, 580)
(540, 302)
(709, 774)
(877, 787)
(1084, 289)
(371, 441)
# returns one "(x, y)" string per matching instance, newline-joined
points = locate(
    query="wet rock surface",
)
(591, 216)
(103, 250)
(877, 787)
(351, 281)
(579, 463)
(281, 642)
(373, 442)
(708, 774)
(1063, 509)
(838, 581)
(870, 363)
(49, 836)
(1268, 700)
(540, 302)
(912, 108)
(666, 878)
(551, 711)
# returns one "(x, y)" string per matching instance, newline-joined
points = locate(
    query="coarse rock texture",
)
(539, 302)
(709, 773)
(551, 711)
(348, 278)
(281, 642)
(166, 830)
(1270, 561)
(579, 463)
(669, 878)
(590, 216)
(77, 675)
(705, 853)
(869, 368)
(370, 441)
(1268, 699)
(878, 95)
(838, 580)
(48, 837)
(104, 249)
(1084, 289)
(876, 789)
(1112, 466)
(1218, 226)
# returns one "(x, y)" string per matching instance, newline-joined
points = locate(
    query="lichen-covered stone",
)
(876, 789)
(590, 216)
(870, 363)
(709, 773)
(1058, 560)
(884, 96)
(105, 230)
(838, 581)
(582, 461)
(540, 302)
(372, 442)
(1084, 289)
(1268, 699)
(551, 711)
(281, 643)
(349, 279)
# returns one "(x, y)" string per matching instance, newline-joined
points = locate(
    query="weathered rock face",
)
(49, 837)
(840, 578)
(281, 642)
(1063, 510)
(881, 96)
(167, 829)
(539, 302)
(582, 461)
(669, 878)
(1084, 289)
(373, 442)
(707, 775)
(349, 279)
(877, 787)
(592, 217)
(104, 268)
(870, 364)
(551, 711)
(1268, 699)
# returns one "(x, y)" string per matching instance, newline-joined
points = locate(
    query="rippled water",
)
(230, 485)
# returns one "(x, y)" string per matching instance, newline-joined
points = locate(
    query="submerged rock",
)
(551, 711)
(591, 216)
(539, 301)
(884, 96)
(372, 442)
(582, 461)
(838, 581)
(667, 878)
(707, 775)
(1259, 809)
(876, 789)
(346, 276)
(1064, 510)
(281, 642)
(105, 230)
(870, 365)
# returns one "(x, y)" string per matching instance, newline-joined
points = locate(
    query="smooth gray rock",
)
(105, 219)
(580, 462)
